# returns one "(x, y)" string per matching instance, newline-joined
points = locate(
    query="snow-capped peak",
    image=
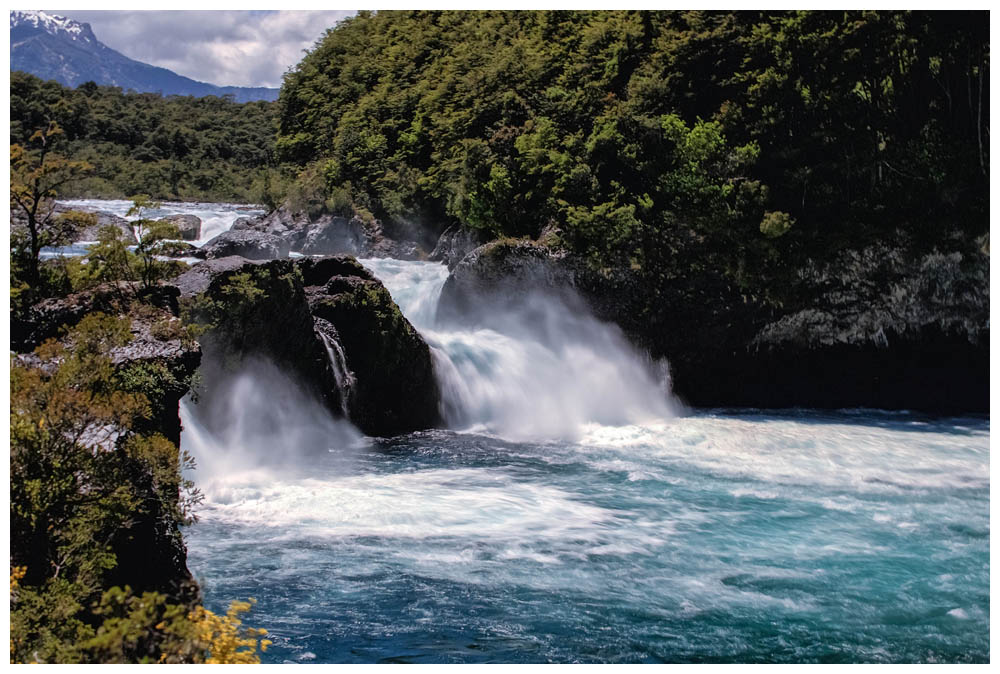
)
(50, 23)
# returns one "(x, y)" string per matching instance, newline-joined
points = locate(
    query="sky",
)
(249, 48)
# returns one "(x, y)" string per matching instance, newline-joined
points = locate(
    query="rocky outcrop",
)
(334, 235)
(244, 222)
(328, 234)
(188, 225)
(249, 244)
(105, 220)
(878, 327)
(331, 322)
(158, 363)
(455, 243)
(393, 385)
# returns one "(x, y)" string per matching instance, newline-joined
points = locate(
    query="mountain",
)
(54, 47)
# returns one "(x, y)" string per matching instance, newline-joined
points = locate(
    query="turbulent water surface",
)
(574, 513)
(215, 218)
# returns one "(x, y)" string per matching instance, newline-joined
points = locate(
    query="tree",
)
(36, 176)
(156, 238)
(83, 472)
(111, 260)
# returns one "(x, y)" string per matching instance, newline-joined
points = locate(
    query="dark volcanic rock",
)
(502, 272)
(334, 235)
(188, 225)
(455, 243)
(250, 244)
(883, 328)
(243, 223)
(306, 303)
(394, 389)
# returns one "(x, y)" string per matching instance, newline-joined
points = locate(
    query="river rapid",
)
(574, 511)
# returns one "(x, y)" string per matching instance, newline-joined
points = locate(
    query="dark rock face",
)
(502, 272)
(331, 235)
(188, 225)
(334, 235)
(394, 387)
(243, 223)
(455, 243)
(313, 307)
(250, 244)
(884, 329)
(158, 363)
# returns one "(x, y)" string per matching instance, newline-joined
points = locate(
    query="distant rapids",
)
(574, 512)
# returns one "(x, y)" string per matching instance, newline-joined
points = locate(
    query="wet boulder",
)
(188, 225)
(330, 322)
(455, 243)
(331, 235)
(249, 244)
(244, 223)
(394, 389)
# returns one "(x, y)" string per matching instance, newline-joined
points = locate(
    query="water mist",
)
(538, 368)
(256, 424)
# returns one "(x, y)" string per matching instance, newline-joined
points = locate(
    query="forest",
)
(648, 138)
(175, 147)
(728, 162)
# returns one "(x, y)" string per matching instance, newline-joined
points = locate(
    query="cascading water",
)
(215, 218)
(341, 374)
(574, 518)
(538, 370)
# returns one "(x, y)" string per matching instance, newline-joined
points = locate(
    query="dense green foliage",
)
(669, 140)
(80, 478)
(175, 147)
(86, 469)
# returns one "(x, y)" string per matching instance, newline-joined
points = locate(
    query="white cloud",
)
(227, 48)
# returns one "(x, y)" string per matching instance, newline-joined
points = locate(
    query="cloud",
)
(227, 48)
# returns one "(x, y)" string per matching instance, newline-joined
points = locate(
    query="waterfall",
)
(258, 419)
(338, 364)
(541, 369)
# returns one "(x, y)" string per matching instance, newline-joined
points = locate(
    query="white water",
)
(256, 425)
(215, 218)
(575, 517)
(538, 370)
(341, 375)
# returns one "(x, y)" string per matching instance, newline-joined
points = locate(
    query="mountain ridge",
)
(58, 48)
